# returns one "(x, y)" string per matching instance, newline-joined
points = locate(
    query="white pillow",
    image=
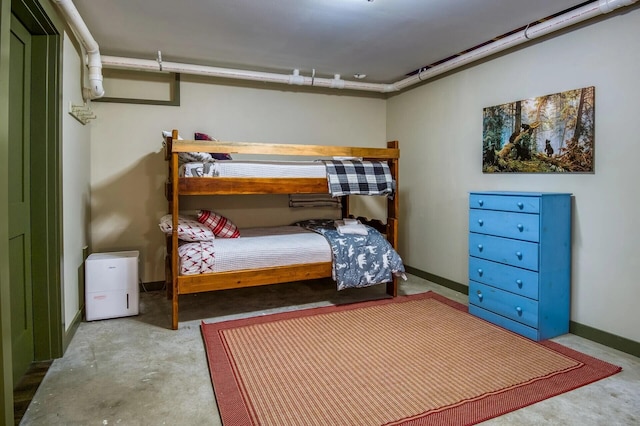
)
(188, 229)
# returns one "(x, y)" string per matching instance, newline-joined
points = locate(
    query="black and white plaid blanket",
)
(349, 177)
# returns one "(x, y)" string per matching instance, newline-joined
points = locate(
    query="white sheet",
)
(259, 248)
(238, 168)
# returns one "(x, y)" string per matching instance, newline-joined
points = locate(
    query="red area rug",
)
(412, 360)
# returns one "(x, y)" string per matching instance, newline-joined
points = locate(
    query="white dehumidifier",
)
(111, 285)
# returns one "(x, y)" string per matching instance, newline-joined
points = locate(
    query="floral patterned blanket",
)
(358, 260)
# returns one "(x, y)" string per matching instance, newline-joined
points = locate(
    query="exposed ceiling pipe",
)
(265, 77)
(94, 63)
(554, 24)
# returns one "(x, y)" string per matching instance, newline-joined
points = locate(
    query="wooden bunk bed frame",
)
(176, 187)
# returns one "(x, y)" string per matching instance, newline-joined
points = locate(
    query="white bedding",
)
(267, 169)
(256, 248)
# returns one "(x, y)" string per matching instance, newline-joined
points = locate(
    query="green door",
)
(19, 205)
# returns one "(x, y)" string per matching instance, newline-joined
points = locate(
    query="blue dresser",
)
(520, 261)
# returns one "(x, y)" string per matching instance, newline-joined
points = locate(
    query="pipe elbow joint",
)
(95, 89)
(94, 92)
(387, 88)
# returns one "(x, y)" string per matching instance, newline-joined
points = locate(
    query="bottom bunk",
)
(272, 255)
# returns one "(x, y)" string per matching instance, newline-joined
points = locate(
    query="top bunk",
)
(305, 175)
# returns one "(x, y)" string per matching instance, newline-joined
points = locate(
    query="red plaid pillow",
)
(220, 225)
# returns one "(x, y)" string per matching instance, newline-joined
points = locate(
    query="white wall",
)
(128, 170)
(75, 183)
(439, 126)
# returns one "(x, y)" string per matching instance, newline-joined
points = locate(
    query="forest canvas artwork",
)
(547, 134)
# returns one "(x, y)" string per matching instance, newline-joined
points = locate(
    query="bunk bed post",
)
(344, 204)
(393, 205)
(168, 191)
(168, 282)
(174, 235)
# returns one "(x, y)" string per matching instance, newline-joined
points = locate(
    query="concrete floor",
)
(136, 371)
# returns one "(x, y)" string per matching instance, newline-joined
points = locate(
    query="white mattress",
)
(263, 248)
(267, 169)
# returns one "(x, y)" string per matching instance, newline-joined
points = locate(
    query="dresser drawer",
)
(509, 324)
(509, 278)
(510, 203)
(503, 303)
(522, 254)
(522, 226)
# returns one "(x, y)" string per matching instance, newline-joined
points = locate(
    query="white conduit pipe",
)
(94, 63)
(265, 77)
(573, 17)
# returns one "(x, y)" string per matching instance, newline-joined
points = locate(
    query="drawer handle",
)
(520, 227)
(519, 310)
(480, 202)
(480, 271)
(519, 255)
(519, 282)
(480, 222)
(520, 206)
(480, 247)
(479, 293)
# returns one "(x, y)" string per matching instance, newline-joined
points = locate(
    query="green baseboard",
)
(71, 331)
(611, 340)
(460, 288)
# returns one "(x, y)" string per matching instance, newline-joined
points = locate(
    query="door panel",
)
(19, 196)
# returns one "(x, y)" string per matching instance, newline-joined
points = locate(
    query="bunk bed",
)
(178, 186)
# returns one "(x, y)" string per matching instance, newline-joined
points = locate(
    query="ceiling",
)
(384, 39)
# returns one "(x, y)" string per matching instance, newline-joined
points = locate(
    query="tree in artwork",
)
(547, 134)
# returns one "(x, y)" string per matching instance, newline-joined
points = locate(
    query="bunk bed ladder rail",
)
(393, 213)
